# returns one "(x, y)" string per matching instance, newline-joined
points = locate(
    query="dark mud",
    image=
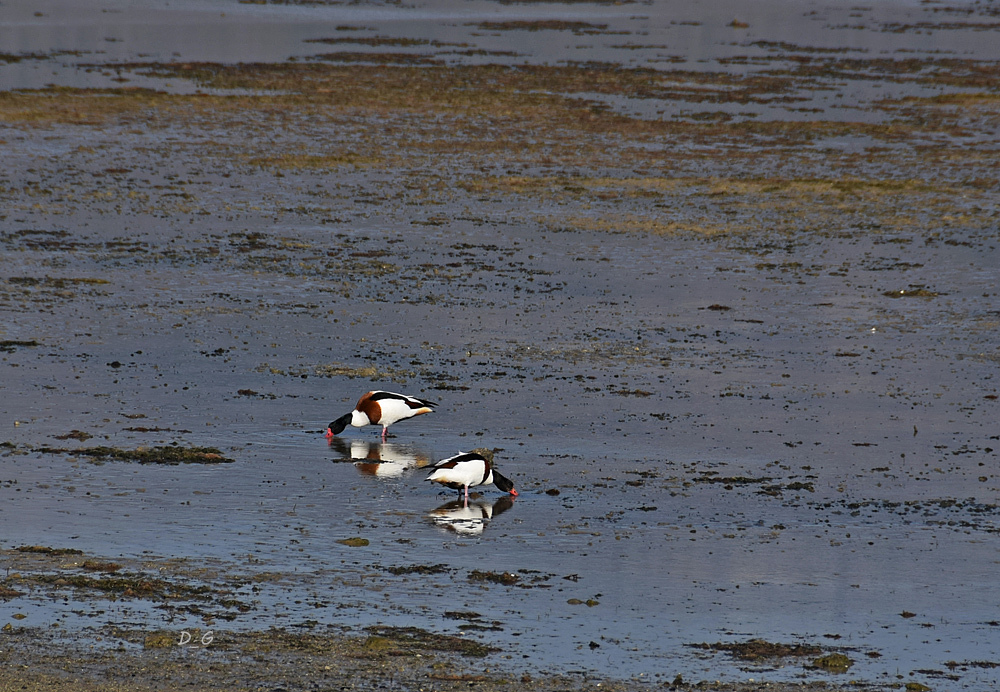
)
(718, 288)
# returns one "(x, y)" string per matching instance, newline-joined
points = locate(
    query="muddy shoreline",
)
(263, 660)
(121, 656)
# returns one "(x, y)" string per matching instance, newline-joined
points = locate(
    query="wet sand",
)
(719, 287)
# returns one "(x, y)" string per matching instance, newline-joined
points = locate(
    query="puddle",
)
(730, 330)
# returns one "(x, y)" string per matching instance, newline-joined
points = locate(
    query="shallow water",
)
(714, 439)
(670, 557)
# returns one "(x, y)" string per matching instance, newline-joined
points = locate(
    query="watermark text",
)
(197, 638)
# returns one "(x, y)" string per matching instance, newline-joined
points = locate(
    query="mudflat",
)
(715, 283)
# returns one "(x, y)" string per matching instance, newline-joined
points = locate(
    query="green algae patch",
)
(504, 578)
(417, 569)
(368, 372)
(377, 644)
(11, 345)
(413, 640)
(76, 106)
(169, 455)
(634, 223)
(45, 550)
(833, 663)
(543, 25)
(160, 640)
(356, 542)
(124, 586)
(302, 161)
(340, 370)
(761, 650)
(7, 593)
(75, 435)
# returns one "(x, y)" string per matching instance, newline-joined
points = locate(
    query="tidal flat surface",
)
(718, 282)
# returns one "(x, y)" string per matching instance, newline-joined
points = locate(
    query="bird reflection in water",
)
(380, 459)
(469, 519)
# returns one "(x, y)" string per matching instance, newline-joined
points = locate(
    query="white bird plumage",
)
(381, 408)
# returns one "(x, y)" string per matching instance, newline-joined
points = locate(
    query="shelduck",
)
(380, 408)
(470, 468)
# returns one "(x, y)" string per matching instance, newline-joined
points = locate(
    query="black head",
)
(503, 483)
(337, 426)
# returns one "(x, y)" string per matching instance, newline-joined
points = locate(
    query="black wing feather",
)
(457, 459)
(392, 395)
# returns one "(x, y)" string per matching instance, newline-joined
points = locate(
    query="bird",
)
(470, 468)
(380, 408)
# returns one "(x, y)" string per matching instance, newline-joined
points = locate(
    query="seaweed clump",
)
(170, 455)
(759, 649)
(402, 640)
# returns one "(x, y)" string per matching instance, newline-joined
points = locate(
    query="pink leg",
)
(384, 430)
